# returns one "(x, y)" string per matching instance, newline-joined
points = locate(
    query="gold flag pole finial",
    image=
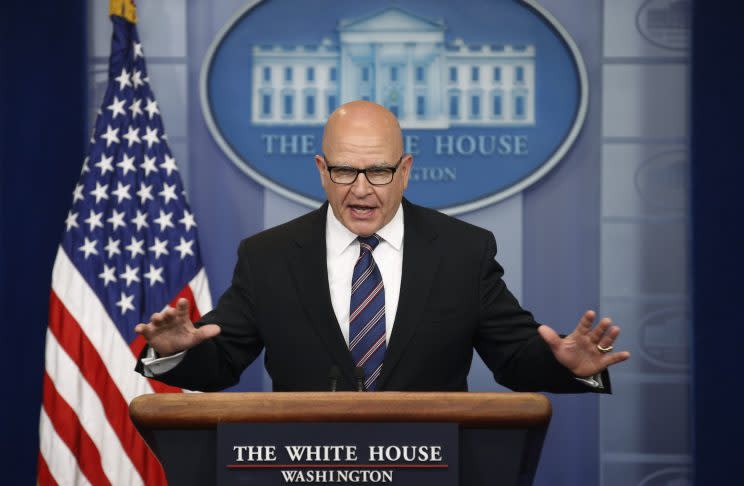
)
(124, 8)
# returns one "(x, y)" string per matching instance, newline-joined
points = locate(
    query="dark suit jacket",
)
(452, 299)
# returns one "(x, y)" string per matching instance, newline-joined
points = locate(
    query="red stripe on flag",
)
(187, 294)
(70, 430)
(137, 345)
(77, 345)
(43, 476)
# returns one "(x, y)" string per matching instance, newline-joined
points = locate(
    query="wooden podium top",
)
(205, 410)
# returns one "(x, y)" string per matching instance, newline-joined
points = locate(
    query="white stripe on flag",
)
(200, 288)
(86, 404)
(83, 304)
(61, 462)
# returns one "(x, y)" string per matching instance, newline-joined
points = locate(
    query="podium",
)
(500, 434)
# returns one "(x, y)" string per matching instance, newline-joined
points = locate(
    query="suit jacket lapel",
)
(309, 269)
(420, 263)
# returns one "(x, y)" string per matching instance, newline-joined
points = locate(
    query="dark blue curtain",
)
(717, 238)
(42, 141)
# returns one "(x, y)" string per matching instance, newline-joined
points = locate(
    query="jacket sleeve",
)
(217, 363)
(508, 342)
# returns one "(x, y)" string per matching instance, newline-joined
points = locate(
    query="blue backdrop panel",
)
(561, 254)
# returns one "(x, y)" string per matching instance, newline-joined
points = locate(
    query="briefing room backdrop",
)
(606, 228)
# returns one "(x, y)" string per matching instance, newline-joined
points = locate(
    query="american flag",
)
(129, 248)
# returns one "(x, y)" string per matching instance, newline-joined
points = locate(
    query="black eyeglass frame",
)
(392, 171)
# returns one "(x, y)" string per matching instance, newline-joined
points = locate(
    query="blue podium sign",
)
(406, 454)
(490, 94)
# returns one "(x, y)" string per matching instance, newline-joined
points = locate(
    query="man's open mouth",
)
(361, 210)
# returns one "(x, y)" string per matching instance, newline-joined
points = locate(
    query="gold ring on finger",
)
(603, 349)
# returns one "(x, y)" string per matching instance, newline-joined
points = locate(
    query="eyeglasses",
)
(377, 176)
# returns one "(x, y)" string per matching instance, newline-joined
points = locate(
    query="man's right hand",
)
(171, 331)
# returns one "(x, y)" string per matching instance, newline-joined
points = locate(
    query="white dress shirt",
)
(342, 251)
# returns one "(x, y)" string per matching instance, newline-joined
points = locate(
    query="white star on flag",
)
(137, 46)
(94, 220)
(135, 247)
(164, 220)
(111, 136)
(184, 248)
(107, 275)
(71, 220)
(151, 136)
(105, 164)
(159, 247)
(117, 108)
(145, 193)
(148, 165)
(168, 192)
(89, 247)
(154, 275)
(135, 108)
(100, 192)
(137, 79)
(125, 303)
(112, 247)
(188, 220)
(126, 164)
(169, 165)
(123, 79)
(130, 275)
(77, 194)
(121, 192)
(152, 108)
(116, 219)
(132, 135)
(140, 220)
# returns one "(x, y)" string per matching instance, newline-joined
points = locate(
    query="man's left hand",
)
(582, 350)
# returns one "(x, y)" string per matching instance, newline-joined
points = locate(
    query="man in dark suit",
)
(374, 290)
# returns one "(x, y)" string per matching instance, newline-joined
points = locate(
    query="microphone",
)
(359, 377)
(333, 375)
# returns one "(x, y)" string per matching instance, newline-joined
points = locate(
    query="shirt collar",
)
(339, 237)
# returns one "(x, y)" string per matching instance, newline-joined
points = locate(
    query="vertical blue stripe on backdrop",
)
(228, 205)
(561, 260)
(42, 142)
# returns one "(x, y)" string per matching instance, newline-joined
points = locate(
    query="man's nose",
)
(361, 185)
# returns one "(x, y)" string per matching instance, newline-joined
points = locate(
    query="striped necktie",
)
(367, 313)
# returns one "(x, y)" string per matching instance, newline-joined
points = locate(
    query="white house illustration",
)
(401, 61)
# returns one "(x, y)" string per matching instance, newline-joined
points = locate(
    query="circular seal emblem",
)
(656, 346)
(678, 476)
(662, 180)
(488, 103)
(666, 23)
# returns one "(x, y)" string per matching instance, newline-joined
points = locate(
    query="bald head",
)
(359, 119)
(364, 136)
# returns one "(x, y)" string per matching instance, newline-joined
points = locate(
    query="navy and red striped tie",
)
(367, 313)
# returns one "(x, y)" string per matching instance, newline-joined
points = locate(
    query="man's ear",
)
(321, 165)
(405, 168)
